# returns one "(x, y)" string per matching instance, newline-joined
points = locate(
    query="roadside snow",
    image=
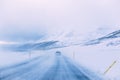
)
(96, 58)
(9, 58)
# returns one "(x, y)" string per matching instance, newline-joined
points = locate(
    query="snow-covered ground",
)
(8, 58)
(96, 58)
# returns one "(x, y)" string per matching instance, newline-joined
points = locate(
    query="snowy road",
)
(47, 67)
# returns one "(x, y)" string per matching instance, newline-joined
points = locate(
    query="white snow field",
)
(96, 58)
(8, 58)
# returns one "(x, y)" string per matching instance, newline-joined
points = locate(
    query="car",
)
(58, 53)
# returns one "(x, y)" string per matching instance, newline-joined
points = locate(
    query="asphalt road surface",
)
(47, 67)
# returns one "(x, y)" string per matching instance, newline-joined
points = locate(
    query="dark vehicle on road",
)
(58, 53)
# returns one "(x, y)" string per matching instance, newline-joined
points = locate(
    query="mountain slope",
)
(112, 36)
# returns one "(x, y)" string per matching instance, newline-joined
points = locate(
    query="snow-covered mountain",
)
(63, 39)
(66, 39)
(110, 39)
(31, 46)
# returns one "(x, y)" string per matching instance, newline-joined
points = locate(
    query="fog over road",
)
(47, 67)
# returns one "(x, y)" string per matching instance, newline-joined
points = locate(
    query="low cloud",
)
(34, 19)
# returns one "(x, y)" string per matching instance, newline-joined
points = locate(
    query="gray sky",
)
(23, 20)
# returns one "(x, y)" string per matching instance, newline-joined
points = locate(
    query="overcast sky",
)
(23, 20)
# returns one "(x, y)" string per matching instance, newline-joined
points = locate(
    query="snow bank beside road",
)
(9, 58)
(96, 58)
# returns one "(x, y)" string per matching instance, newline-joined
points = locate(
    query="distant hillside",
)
(114, 36)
